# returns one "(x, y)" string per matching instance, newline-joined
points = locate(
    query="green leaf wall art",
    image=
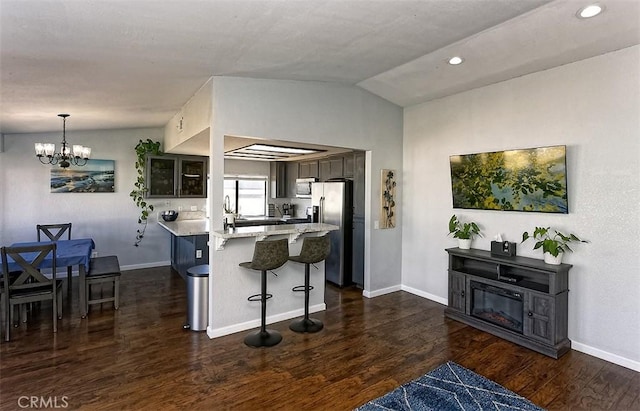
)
(532, 179)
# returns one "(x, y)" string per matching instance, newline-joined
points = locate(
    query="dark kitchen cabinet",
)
(357, 252)
(331, 167)
(349, 165)
(161, 176)
(176, 176)
(292, 175)
(520, 299)
(278, 179)
(192, 177)
(308, 169)
(189, 251)
(358, 184)
(358, 217)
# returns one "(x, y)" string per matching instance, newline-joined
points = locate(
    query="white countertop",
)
(201, 227)
(261, 232)
(182, 228)
(267, 230)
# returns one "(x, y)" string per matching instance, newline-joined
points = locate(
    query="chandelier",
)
(46, 153)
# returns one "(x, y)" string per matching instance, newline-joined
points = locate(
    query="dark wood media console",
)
(520, 299)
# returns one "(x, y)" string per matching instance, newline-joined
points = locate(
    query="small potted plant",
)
(464, 232)
(554, 243)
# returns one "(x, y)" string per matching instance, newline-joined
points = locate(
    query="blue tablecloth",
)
(68, 252)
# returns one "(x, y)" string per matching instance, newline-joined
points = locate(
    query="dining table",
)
(68, 253)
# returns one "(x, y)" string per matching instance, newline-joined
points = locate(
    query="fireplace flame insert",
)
(497, 305)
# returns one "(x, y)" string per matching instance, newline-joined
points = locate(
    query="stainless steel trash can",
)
(197, 298)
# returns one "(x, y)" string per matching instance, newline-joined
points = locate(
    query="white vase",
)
(230, 217)
(464, 243)
(550, 259)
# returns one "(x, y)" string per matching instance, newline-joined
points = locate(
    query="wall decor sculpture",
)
(388, 199)
(97, 176)
(533, 179)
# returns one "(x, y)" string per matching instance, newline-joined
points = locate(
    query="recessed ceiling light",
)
(454, 61)
(589, 11)
(268, 152)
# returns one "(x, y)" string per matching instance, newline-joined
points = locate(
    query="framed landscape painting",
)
(533, 179)
(97, 176)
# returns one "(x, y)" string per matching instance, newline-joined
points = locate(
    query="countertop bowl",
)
(170, 215)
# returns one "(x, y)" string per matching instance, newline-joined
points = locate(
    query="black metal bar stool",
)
(314, 250)
(267, 255)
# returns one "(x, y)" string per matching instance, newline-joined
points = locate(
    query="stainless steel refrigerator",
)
(334, 200)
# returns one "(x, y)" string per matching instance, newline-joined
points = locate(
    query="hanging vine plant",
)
(143, 148)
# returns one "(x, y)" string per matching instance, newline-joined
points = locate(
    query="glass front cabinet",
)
(176, 176)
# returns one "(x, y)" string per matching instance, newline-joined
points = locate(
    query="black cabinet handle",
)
(462, 293)
(530, 314)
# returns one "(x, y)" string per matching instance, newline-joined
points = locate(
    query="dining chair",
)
(31, 285)
(54, 232)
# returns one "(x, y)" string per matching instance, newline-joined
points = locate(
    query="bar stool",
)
(267, 255)
(314, 250)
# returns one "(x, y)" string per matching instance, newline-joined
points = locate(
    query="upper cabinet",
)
(349, 165)
(176, 176)
(308, 169)
(161, 176)
(292, 175)
(331, 167)
(192, 176)
(339, 166)
(278, 178)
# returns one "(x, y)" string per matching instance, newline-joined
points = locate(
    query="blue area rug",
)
(450, 387)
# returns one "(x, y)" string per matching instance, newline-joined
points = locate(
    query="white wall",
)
(322, 113)
(246, 168)
(593, 107)
(109, 218)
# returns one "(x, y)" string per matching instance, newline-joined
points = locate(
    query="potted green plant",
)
(554, 243)
(464, 232)
(140, 186)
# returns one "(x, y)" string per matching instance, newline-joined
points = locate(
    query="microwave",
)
(303, 187)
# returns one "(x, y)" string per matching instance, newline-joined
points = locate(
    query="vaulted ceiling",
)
(125, 64)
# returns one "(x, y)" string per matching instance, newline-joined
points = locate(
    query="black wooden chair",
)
(104, 269)
(13, 275)
(267, 255)
(31, 285)
(54, 232)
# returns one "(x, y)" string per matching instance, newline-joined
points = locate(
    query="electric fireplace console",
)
(520, 299)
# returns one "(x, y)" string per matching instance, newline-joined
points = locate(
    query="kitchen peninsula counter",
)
(230, 284)
(181, 228)
(261, 232)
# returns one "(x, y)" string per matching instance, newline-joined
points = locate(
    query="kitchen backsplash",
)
(300, 205)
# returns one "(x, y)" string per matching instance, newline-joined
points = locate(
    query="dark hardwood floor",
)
(139, 357)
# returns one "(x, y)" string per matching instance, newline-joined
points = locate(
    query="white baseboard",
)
(607, 356)
(382, 291)
(145, 265)
(603, 355)
(423, 294)
(234, 328)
